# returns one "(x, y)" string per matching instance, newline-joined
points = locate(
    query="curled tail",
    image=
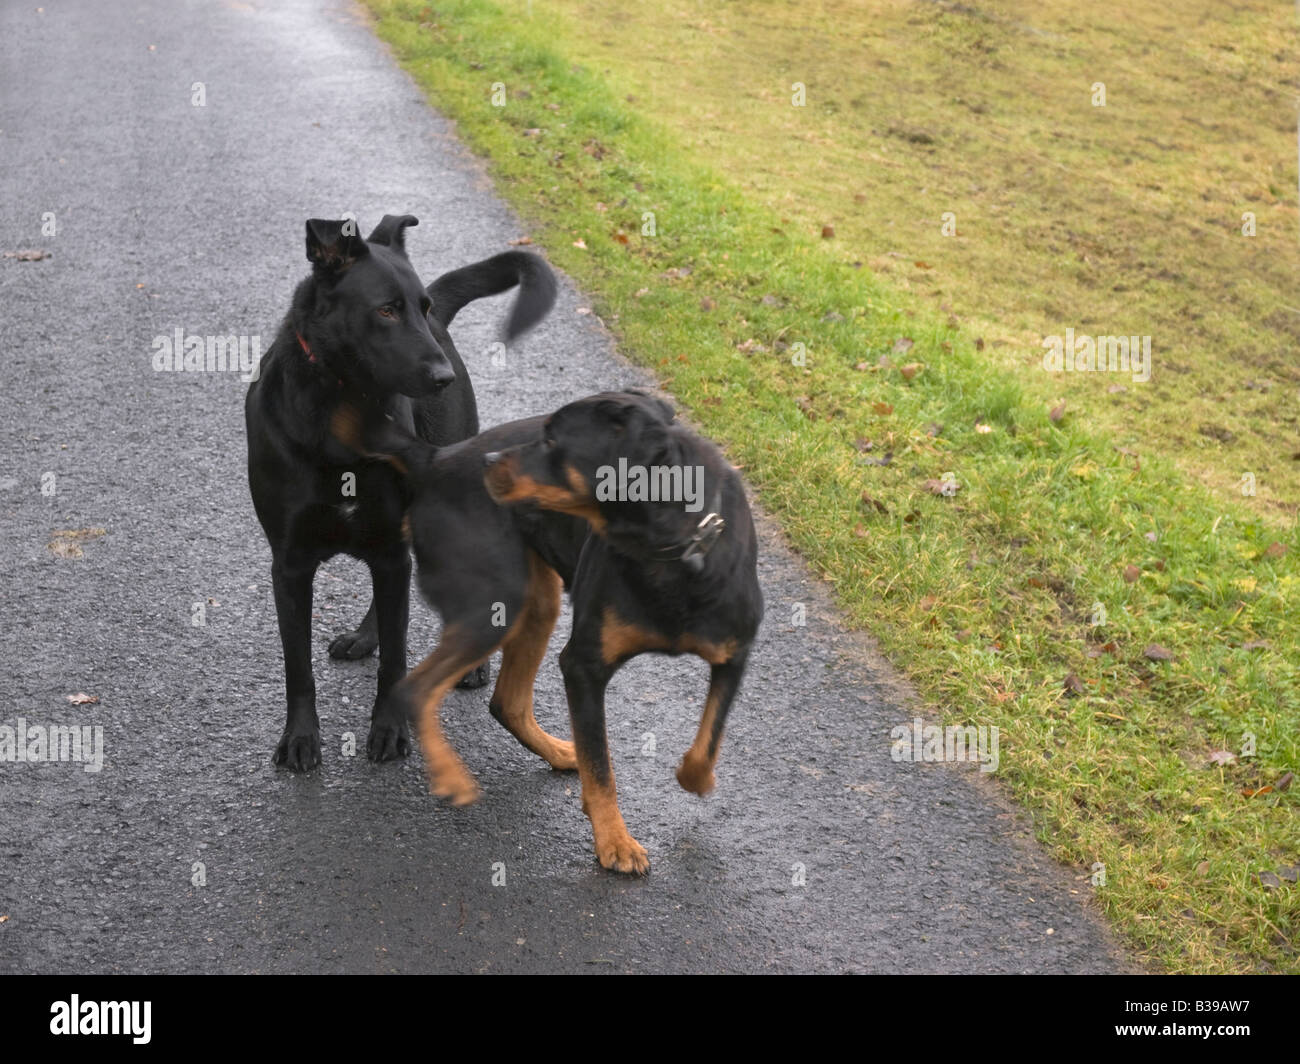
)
(536, 284)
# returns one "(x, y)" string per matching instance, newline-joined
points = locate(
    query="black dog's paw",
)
(388, 741)
(351, 646)
(476, 677)
(298, 752)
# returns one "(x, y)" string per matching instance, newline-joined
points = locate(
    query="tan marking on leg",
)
(615, 847)
(696, 771)
(522, 653)
(430, 681)
(713, 653)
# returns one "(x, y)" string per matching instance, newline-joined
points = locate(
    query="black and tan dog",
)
(647, 526)
(363, 331)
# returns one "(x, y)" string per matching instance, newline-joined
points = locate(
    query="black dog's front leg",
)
(390, 735)
(291, 580)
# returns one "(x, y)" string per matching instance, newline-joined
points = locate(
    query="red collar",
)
(311, 355)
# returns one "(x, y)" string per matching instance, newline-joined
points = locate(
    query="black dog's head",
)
(620, 461)
(363, 312)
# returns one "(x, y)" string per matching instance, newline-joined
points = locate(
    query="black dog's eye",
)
(388, 310)
(548, 443)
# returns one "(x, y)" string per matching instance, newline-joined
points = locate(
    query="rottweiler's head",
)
(363, 314)
(618, 460)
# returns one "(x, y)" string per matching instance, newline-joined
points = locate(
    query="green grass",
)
(983, 597)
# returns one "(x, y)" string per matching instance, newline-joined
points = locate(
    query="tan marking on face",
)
(506, 484)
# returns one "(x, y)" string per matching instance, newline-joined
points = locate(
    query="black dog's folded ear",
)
(391, 232)
(334, 246)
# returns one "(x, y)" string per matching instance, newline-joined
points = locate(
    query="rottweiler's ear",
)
(652, 404)
(332, 247)
(391, 232)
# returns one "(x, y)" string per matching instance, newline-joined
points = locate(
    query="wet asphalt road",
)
(170, 215)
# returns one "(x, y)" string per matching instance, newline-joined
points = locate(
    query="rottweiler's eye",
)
(388, 310)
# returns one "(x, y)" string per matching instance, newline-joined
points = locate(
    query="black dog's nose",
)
(491, 458)
(439, 376)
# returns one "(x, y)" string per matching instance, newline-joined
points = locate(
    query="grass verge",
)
(1117, 623)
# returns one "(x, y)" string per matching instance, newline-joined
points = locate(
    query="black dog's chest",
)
(354, 511)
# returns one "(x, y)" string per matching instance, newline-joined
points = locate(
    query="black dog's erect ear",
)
(391, 232)
(334, 246)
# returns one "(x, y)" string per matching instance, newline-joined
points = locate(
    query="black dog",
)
(361, 330)
(645, 574)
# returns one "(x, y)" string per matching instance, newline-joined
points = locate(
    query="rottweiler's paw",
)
(351, 646)
(298, 752)
(455, 784)
(562, 756)
(696, 775)
(623, 854)
(477, 677)
(388, 740)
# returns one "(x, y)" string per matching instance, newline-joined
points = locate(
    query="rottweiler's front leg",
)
(291, 581)
(585, 680)
(390, 735)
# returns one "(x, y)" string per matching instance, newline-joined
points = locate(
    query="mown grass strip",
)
(792, 356)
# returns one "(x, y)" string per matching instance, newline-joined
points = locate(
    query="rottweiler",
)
(361, 330)
(643, 522)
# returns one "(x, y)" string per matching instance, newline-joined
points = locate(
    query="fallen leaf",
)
(1275, 550)
(910, 370)
(1131, 573)
(1269, 880)
(1203, 868)
(1222, 757)
(522, 240)
(903, 343)
(1255, 644)
(1251, 792)
(928, 602)
(82, 699)
(883, 409)
(621, 237)
(828, 231)
(65, 542)
(580, 243)
(1155, 652)
(982, 429)
(946, 488)
(28, 254)
(863, 444)
(1073, 684)
(1057, 412)
(922, 265)
(1285, 782)
(707, 304)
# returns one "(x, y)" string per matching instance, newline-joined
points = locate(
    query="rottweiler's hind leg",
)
(522, 653)
(423, 691)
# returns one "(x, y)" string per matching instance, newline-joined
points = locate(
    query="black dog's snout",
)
(439, 376)
(491, 458)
